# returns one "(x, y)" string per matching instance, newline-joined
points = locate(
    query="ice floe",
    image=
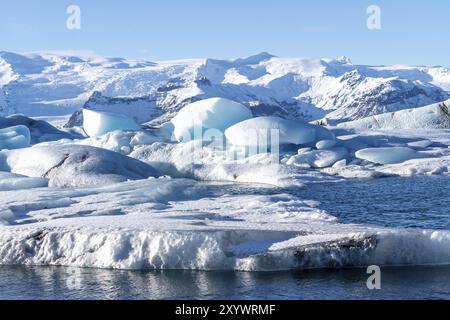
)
(387, 155)
(182, 224)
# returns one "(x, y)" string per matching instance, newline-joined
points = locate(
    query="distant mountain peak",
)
(344, 60)
(254, 59)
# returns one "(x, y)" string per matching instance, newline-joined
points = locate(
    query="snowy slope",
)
(435, 116)
(43, 84)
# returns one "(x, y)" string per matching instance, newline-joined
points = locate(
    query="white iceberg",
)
(14, 137)
(123, 142)
(73, 165)
(96, 123)
(325, 144)
(261, 130)
(214, 113)
(319, 158)
(39, 130)
(435, 116)
(387, 155)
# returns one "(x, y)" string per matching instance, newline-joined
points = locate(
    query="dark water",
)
(422, 202)
(72, 283)
(418, 202)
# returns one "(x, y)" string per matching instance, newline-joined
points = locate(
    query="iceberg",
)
(434, 116)
(40, 131)
(73, 165)
(387, 155)
(14, 137)
(96, 123)
(319, 158)
(214, 113)
(325, 144)
(259, 130)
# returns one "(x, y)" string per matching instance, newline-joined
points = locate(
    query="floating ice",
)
(420, 144)
(214, 113)
(40, 131)
(435, 116)
(325, 144)
(14, 137)
(97, 123)
(340, 164)
(75, 165)
(258, 131)
(319, 158)
(176, 224)
(387, 155)
(123, 142)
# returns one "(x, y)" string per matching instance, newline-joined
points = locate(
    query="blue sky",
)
(413, 32)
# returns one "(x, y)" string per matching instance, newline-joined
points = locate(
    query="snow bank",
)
(96, 123)
(74, 165)
(214, 113)
(260, 131)
(14, 137)
(387, 155)
(435, 116)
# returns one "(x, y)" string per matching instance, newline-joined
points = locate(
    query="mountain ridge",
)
(337, 90)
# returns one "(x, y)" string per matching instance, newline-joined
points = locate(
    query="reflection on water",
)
(73, 283)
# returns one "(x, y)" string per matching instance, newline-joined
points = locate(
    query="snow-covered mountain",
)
(38, 84)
